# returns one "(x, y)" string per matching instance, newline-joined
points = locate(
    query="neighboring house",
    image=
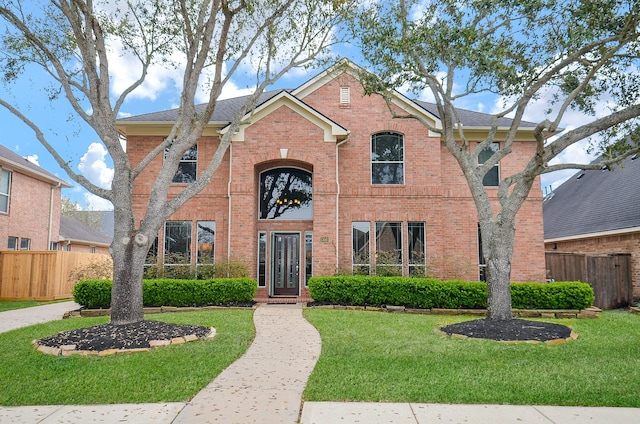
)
(75, 236)
(102, 221)
(597, 212)
(322, 180)
(29, 204)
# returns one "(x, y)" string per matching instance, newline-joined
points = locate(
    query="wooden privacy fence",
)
(40, 275)
(608, 275)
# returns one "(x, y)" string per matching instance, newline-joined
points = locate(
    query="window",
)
(387, 158)
(308, 256)
(482, 263)
(152, 254)
(286, 193)
(53, 245)
(417, 250)
(12, 243)
(25, 243)
(388, 248)
(177, 242)
(492, 177)
(360, 263)
(206, 241)
(5, 190)
(92, 249)
(262, 259)
(66, 247)
(187, 167)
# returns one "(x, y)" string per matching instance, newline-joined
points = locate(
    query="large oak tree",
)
(580, 55)
(207, 40)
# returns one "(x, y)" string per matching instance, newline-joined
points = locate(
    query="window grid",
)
(387, 158)
(187, 168)
(492, 177)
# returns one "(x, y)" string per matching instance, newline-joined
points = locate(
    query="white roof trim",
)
(333, 132)
(593, 235)
(14, 166)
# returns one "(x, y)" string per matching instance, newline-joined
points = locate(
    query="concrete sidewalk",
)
(266, 384)
(17, 318)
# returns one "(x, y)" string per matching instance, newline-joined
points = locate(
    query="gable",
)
(333, 132)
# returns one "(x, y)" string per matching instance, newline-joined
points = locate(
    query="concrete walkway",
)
(17, 318)
(266, 384)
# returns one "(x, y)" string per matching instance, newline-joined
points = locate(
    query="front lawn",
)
(368, 356)
(167, 374)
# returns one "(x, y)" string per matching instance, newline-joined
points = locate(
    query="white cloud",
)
(95, 203)
(94, 167)
(33, 159)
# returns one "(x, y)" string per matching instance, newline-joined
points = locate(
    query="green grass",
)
(166, 374)
(369, 356)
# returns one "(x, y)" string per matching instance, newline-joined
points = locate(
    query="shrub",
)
(172, 292)
(452, 294)
(97, 269)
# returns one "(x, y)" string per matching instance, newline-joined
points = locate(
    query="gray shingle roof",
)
(9, 156)
(598, 201)
(72, 229)
(224, 111)
(470, 118)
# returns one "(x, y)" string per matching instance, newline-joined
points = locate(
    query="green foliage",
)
(234, 268)
(98, 269)
(93, 293)
(452, 294)
(172, 292)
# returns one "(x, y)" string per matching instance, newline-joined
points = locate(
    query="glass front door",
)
(286, 264)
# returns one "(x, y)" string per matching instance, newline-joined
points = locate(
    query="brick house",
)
(22, 186)
(597, 213)
(324, 180)
(76, 236)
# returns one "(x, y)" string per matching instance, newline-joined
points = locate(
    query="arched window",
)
(286, 193)
(387, 158)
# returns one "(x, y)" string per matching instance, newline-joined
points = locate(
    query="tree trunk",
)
(126, 292)
(499, 271)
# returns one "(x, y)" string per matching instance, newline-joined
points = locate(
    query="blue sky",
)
(77, 143)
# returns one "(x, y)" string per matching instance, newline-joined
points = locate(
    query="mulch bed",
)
(513, 330)
(128, 336)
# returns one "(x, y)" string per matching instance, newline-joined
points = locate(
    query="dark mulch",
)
(128, 336)
(513, 330)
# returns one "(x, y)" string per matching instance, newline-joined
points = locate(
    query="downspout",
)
(229, 196)
(337, 243)
(51, 215)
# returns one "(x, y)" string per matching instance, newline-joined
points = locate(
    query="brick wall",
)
(29, 212)
(434, 192)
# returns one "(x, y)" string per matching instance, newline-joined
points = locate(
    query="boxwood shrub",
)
(170, 292)
(452, 294)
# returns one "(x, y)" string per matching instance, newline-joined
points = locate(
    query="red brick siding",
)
(29, 212)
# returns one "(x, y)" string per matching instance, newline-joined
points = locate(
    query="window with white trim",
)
(387, 158)
(417, 249)
(12, 243)
(388, 248)
(5, 190)
(187, 168)
(360, 258)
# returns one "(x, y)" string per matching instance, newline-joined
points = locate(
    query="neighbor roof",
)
(593, 202)
(12, 160)
(75, 231)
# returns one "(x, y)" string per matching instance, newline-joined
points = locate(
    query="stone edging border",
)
(592, 312)
(68, 350)
(634, 310)
(149, 310)
(573, 336)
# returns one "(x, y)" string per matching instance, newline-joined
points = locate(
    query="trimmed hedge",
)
(170, 292)
(452, 294)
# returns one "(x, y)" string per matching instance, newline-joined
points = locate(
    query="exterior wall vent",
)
(345, 95)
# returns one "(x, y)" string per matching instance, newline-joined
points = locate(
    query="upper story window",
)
(492, 177)
(12, 243)
(25, 243)
(187, 167)
(387, 158)
(5, 190)
(286, 193)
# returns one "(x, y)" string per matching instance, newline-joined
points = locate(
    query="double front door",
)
(286, 264)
